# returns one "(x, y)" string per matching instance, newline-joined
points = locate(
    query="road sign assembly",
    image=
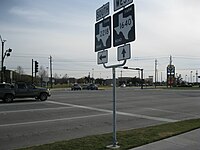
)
(103, 34)
(123, 33)
(124, 52)
(124, 26)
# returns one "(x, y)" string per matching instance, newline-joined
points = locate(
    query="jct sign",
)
(124, 26)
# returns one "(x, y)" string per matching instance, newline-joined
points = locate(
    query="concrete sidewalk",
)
(186, 141)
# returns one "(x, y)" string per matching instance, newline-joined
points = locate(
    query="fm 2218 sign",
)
(124, 26)
(103, 34)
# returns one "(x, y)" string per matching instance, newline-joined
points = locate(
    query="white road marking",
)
(21, 103)
(174, 112)
(33, 110)
(120, 113)
(53, 120)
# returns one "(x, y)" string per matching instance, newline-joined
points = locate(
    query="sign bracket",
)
(115, 66)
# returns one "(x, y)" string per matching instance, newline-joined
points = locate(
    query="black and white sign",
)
(124, 26)
(124, 52)
(102, 57)
(103, 34)
(121, 3)
(103, 11)
(171, 69)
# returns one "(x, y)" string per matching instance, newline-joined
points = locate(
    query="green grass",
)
(127, 139)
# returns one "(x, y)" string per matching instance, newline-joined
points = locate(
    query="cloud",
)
(30, 14)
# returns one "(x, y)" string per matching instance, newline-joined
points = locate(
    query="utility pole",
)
(156, 63)
(32, 72)
(196, 77)
(51, 71)
(2, 59)
(142, 78)
(170, 77)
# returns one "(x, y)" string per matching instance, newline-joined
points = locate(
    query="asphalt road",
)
(72, 114)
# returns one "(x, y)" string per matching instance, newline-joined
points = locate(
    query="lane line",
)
(118, 112)
(54, 120)
(33, 110)
(20, 103)
(174, 112)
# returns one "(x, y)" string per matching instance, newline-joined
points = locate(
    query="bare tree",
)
(43, 72)
(20, 70)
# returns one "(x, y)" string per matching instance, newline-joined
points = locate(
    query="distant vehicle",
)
(9, 92)
(76, 87)
(92, 87)
(84, 86)
(123, 85)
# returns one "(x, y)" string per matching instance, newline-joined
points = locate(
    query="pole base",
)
(113, 146)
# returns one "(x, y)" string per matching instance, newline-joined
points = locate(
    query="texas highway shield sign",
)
(103, 34)
(124, 26)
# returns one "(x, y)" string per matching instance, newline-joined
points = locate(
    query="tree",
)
(42, 74)
(20, 70)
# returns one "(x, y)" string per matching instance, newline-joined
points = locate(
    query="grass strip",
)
(127, 139)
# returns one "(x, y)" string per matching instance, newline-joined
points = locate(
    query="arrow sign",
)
(124, 52)
(102, 57)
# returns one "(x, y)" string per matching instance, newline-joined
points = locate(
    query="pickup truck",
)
(8, 92)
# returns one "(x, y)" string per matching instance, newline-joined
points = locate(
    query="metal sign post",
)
(114, 145)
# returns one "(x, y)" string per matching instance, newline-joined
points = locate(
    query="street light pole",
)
(2, 58)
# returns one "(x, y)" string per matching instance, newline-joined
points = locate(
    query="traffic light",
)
(36, 66)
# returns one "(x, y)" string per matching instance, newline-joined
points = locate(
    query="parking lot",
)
(73, 114)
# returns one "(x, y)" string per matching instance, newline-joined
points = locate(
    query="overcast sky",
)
(36, 29)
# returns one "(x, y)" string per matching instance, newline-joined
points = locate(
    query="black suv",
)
(22, 90)
(7, 92)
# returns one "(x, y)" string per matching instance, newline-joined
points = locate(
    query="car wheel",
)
(8, 98)
(43, 96)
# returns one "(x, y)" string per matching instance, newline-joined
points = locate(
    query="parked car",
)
(76, 87)
(123, 85)
(92, 87)
(84, 86)
(9, 92)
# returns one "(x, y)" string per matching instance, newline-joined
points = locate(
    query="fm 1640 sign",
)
(124, 26)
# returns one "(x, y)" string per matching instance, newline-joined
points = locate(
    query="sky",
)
(64, 29)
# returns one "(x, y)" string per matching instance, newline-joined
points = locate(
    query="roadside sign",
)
(103, 11)
(103, 34)
(124, 26)
(171, 69)
(121, 3)
(102, 57)
(124, 52)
